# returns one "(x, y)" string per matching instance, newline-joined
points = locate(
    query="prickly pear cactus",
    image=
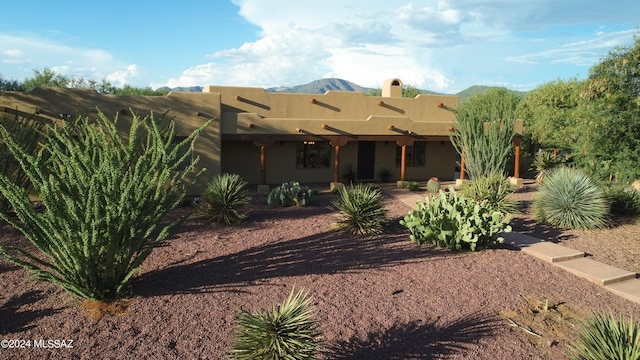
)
(456, 222)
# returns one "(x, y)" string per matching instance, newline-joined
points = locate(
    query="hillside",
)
(323, 85)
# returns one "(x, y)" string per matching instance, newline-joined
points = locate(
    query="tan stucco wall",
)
(243, 116)
(190, 111)
(253, 111)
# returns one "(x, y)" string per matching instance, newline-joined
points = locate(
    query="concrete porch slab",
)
(551, 252)
(599, 273)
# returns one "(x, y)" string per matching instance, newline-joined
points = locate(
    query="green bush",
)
(413, 186)
(456, 222)
(624, 200)
(494, 190)
(287, 331)
(569, 198)
(224, 200)
(544, 161)
(604, 337)
(104, 196)
(289, 194)
(25, 132)
(433, 185)
(360, 210)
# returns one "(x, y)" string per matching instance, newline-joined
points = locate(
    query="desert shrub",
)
(433, 185)
(494, 190)
(224, 200)
(604, 337)
(456, 222)
(104, 195)
(413, 186)
(569, 198)
(544, 161)
(360, 210)
(25, 132)
(287, 331)
(290, 194)
(624, 200)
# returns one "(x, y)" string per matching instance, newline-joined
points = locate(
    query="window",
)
(313, 154)
(415, 156)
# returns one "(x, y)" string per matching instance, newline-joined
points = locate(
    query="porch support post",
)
(516, 180)
(516, 171)
(403, 163)
(263, 166)
(403, 143)
(336, 164)
(462, 165)
(263, 188)
(337, 142)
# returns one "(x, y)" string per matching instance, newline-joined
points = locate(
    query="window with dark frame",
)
(416, 154)
(313, 154)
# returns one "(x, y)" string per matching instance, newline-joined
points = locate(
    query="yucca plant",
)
(544, 161)
(360, 210)
(569, 198)
(104, 195)
(494, 190)
(604, 337)
(287, 331)
(224, 200)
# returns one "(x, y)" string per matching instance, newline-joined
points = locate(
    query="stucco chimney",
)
(392, 88)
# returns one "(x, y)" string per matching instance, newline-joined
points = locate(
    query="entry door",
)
(366, 160)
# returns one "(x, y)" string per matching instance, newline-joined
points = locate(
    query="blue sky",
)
(444, 46)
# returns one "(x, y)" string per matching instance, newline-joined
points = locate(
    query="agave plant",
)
(568, 198)
(224, 200)
(604, 337)
(495, 190)
(287, 331)
(544, 161)
(360, 210)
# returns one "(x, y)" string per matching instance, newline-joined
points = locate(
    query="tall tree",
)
(609, 123)
(10, 85)
(45, 78)
(485, 131)
(549, 113)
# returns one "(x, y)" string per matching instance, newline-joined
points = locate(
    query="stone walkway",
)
(621, 282)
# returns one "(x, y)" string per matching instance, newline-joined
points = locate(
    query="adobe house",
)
(270, 138)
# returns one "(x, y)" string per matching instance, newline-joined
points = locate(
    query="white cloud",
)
(582, 53)
(27, 53)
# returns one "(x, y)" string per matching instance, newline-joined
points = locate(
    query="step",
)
(601, 274)
(628, 289)
(519, 240)
(551, 252)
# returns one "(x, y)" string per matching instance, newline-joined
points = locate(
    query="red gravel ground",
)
(380, 297)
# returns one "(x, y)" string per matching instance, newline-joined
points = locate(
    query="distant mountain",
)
(182, 89)
(480, 89)
(321, 86)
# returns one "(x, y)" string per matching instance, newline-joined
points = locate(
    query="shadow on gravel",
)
(12, 320)
(324, 253)
(533, 228)
(416, 340)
